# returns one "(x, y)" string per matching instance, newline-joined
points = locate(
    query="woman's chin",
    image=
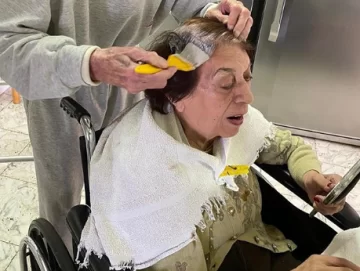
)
(230, 131)
(231, 126)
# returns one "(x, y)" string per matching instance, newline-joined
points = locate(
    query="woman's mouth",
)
(236, 120)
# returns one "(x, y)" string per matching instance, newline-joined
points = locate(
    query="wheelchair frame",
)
(42, 254)
(46, 251)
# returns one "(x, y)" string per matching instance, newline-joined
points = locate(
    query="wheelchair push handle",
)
(73, 108)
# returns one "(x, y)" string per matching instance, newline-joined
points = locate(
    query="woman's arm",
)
(291, 150)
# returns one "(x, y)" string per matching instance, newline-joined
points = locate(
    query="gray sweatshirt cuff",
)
(85, 67)
(207, 7)
(70, 65)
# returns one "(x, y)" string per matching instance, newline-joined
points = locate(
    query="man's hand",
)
(235, 15)
(317, 187)
(115, 66)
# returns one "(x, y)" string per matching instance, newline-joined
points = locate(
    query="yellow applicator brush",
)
(188, 60)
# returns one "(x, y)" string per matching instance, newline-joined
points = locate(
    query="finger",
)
(234, 10)
(331, 185)
(163, 75)
(335, 269)
(127, 82)
(341, 202)
(124, 60)
(155, 60)
(338, 206)
(241, 22)
(341, 262)
(245, 33)
(319, 200)
(333, 263)
(323, 183)
(334, 179)
(140, 55)
(223, 18)
(154, 81)
(135, 83)
(330, 210)
(327, 209)
(170, 72)
(327, 268)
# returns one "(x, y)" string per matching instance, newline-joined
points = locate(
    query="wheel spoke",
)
(33, 263)
(51, 246)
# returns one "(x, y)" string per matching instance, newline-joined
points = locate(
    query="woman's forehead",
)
(228, 57)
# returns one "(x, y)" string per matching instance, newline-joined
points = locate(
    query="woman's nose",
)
(244, 95)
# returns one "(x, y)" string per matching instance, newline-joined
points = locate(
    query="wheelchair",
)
(43, 250)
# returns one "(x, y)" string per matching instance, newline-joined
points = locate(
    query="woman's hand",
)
(317, 187)
(235, 15)
(116, 66)
(326, 263)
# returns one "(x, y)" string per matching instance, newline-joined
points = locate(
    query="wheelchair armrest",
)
(348, 218)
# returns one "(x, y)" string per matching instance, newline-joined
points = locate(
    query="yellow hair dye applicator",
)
(188, 60)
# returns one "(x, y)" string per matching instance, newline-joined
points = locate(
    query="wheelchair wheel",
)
(51, 247)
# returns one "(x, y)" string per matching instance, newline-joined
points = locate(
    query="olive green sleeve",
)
(287, 149)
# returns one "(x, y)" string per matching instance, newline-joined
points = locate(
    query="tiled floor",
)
(18, 197)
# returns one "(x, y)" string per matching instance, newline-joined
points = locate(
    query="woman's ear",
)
(179, 106)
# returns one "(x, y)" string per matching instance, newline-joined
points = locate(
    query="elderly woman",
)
(170, 180)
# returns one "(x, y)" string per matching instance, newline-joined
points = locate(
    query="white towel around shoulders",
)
(149, 187)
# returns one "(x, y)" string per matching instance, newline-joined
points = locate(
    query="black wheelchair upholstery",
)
(348, 218)
(76, 220)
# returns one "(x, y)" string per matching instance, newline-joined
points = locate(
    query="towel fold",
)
(346, 245)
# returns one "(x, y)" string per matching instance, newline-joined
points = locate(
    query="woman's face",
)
(221, 98)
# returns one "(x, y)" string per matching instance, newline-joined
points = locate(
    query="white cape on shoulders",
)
(149, 188)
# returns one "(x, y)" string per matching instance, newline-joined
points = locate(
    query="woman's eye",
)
(248, 78)
(228, 86)
(225, 80)
(229, 83)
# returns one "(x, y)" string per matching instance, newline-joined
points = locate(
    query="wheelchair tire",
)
(51, 246)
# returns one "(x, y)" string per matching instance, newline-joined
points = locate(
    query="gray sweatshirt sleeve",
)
(39, 66)
(184, 9)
